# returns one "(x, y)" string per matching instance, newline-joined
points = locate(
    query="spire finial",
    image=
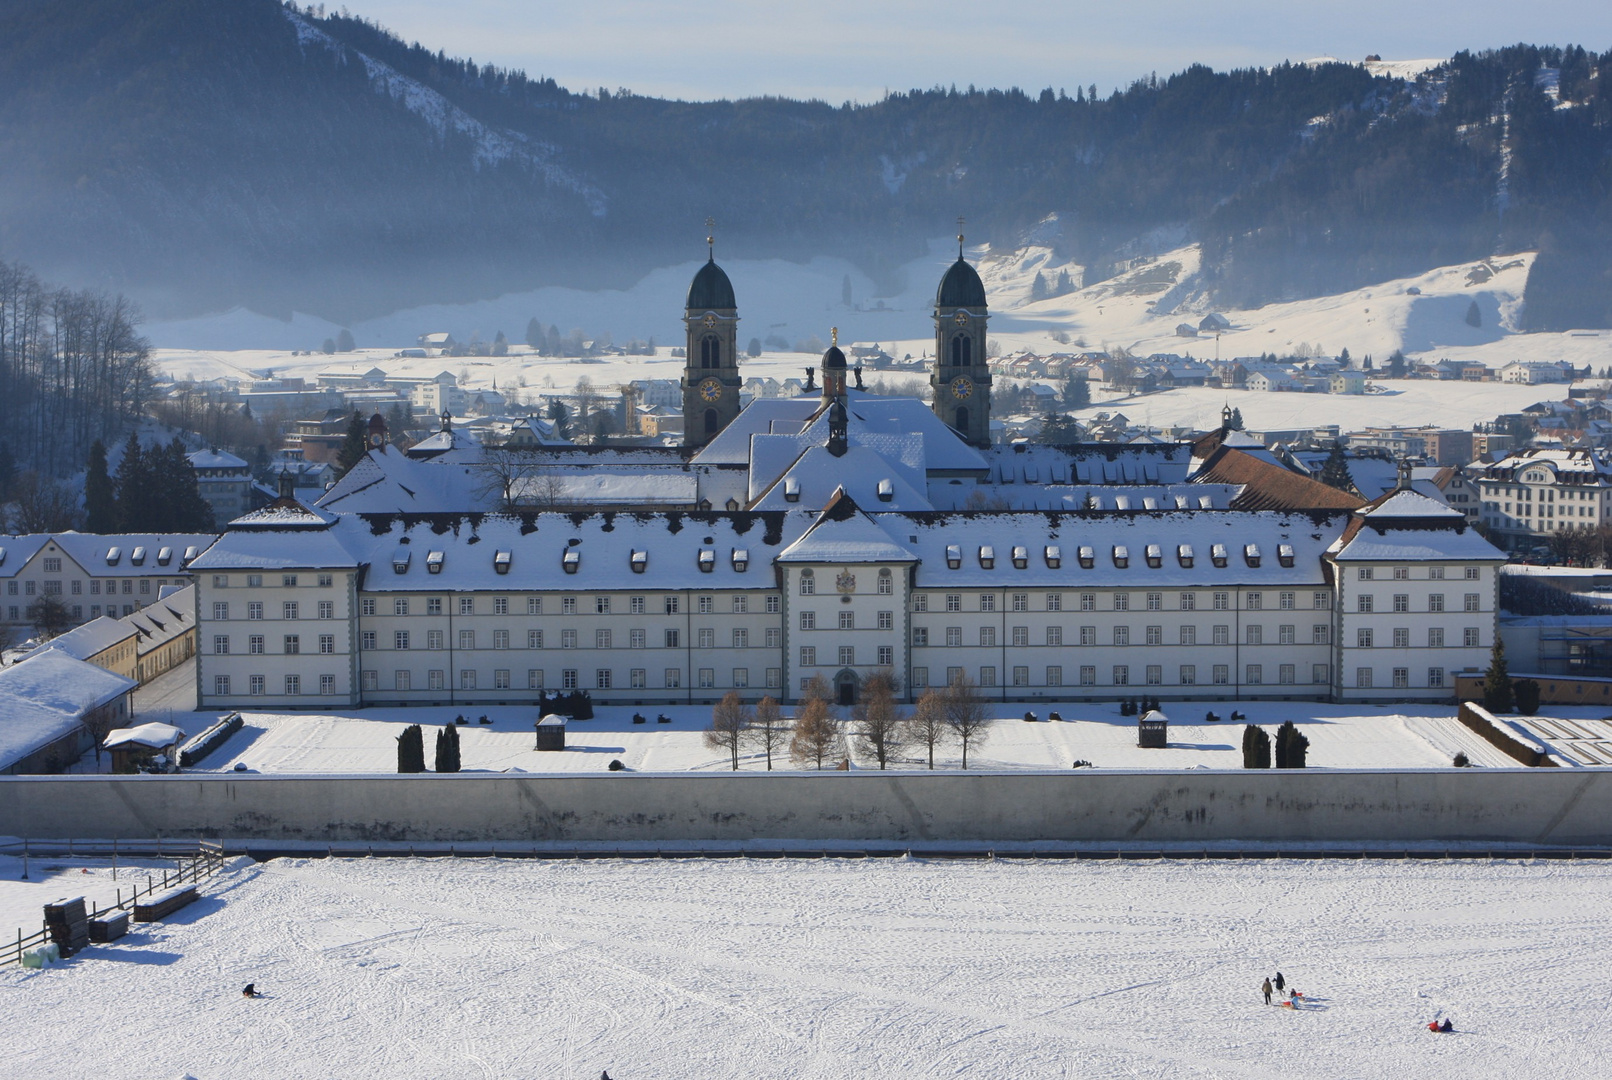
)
(959, 237)
(834, 336)
(710, 239)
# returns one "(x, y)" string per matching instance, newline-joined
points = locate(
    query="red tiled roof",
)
(1270, 487)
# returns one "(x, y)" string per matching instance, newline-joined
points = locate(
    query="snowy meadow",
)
(839, 968)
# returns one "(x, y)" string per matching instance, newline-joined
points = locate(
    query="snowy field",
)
(1341, 736)
(833, 969)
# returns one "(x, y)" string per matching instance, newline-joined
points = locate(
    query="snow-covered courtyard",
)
(838, 968)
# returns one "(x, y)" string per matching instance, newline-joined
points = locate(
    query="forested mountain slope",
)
(201, 155)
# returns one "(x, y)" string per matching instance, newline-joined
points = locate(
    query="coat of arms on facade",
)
(845, 582)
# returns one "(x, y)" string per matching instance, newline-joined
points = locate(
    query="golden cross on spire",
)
(834, 336)
(959, 237)
(710, 237)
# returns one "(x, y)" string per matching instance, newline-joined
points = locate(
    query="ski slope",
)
(838, 970)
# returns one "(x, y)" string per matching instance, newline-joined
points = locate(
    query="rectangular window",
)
(1253, 674)
(289, 609)
(920, 637)
(534, 605)
(467, 639)
(1285, 674)
(1055, 635)
(1286, 635)
(1220, 635)
(1435, 637)
(1401, 637)
(1155, 635)
(920, 602)
(400, 639)
(1254, 601)
(808, 656)
(1155, 674)
(1189, 635)
(1189, 675)
(1088, 675)
(1255, 635)
(1469, 637)
(1189, 601)
(954, 637)
(534, 639)
(1363, 676)
(289, 581)
(501, 606)
(534, 679)
(501, 679)
(1088, 601)
(256, 684)
(707, 605)
(887, 655)
(775, 637)
(987, 637)
(400, 606)
(671, 639)
(635, 639)
(1122, 675)
(1055, 676)
(887, 620)
(1287, 601)
(847, 655)
(1122, 601)
(1363, 638)
(1435, 602)
(1222, 601)
(326, 581)
(293, 644)
(988, 675)
(808, 620)
(1321, 673)
(741, 638)
(1470, 602)
(1122, 635)
(1021, 676)
(220, 644)
(673, 604)
(1363, 602)
(847, 620)
(602, 679)
(1155, 601)
(1472, 573)
(568, 678)
(221, 685)
(741, 605)
(636, 604)
(954, 675)
(327, 609)
(220, 611)
(601, 639)
(433, 639)
(1435, 677)
(987, 601)
(707, 638)
(1401, 678)
(366, 606)
(1321, 601)
(808, 583)
(1021, 602)
(1364, 574)
(1088, 635)
(437, 679)
(707, 678)
(1220, 674)
(467, 606)
(568, 639)
(1320, 634)
(1401, 602)
(367, 640)
(637, 679)
(401, 680)
(433, 605)
(1054, 602)
(293, 685)
(467, 678)
(367, 680)
(327, 644)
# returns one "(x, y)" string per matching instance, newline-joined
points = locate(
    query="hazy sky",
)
(841, 50)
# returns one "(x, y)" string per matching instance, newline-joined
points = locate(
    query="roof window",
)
(1217, 555)
(165, 555)
(433, 562)
(707, 560)
(887, 490)
(1155, 556)
(1205, 502)
(501, 562)
(400, 560)
(138, 556)
(570, 560)
(1122, 556)
(1284, 554)
(1183, 555)
(1088, 557)
(639, 561)
(1054, 556)
(954, 556)
(1251, 554)
(791, 489)
(1021, 557)
(987, 556)
(191, 552)
(741, 560)
(113, 554)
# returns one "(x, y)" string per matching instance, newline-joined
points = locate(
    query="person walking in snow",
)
(1281, 983)
(1266, 990)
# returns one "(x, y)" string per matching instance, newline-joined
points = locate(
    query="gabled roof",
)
(45, 698)
(1270, 487)
(285, 513)
(89, 639)
(843, 533)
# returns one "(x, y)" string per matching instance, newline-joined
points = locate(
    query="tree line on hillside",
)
(1298, 179)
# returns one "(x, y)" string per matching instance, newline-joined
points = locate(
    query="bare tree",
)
(502, 474)
(43, 505)
(876, 720)
(816, 735)
(730, 718)
(49, 616)
(927, 724)
(768, 729)
(966, 714)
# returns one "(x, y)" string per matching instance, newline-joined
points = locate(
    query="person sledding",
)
(1444, 1029)
(250, 991)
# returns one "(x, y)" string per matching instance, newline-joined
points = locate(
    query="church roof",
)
(710, 289)
(961, 287)
(843, 533)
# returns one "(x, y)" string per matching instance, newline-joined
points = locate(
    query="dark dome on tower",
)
(833, 359)
(961, 287)
(711, 289)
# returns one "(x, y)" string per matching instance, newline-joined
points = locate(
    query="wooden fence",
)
(203, 863)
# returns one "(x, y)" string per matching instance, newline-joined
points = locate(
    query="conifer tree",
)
(100, 501)
(1497, 681)
(1291, 746)
(1236, 419)
(447, 749)
(135, 498)
(411, 750)
(354, 446)
(344, 341)
(1335, 472)
(1256, 748)
(534, 334)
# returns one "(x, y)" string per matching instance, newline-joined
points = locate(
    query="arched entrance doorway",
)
(845, 684)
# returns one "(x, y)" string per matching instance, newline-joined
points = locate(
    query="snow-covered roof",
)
(1418, 545)
(131, 554)
(90, 639)
(45, 697)
(1089, 463)
(285, 514)
(216, 459)
(288, 548)
(157, 624)
(871, 479)
(608, 487)
(1410, 504)
(15, 551)
(843, 533)
(152, 736)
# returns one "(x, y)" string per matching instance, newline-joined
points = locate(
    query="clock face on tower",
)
(710, 389)
(962, 318)
(962, 387)
(710, 320)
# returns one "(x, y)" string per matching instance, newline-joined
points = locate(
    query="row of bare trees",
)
(876, 728)
(73, 369)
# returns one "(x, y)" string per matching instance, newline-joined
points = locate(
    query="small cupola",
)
(833, 368)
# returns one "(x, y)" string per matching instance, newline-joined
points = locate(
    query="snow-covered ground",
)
(829, 969)
(364, 740)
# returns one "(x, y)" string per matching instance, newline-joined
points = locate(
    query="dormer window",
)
(1284, 554)
(1205, 502)
(2, 556)
(1054, 556)
(732, 504)
(433, 562)
(1021, 558)
(741, 560)
(1155, 556)
(138, 556)
(791, 489)
(887, 490)
(707, 560)
(639, 561)
(1122, 502)
(191, 552)
(987, 556)
(113, 554)
(1150, 503)
(400, 560)
(1251, 555)
(571, 560)
(954, 556)
(165, 555)
(1183, 555)
(1122, 556)
(1217, 555)
(1088, 557)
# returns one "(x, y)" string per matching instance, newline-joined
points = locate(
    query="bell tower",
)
(961, 380)
(711, 365)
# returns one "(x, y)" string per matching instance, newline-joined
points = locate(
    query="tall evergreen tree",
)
(174, 478)
(100, 501)
(8, 473)
(135, 498)
(1076, 393)
(534, 334)
(344, 341)
(354, 446)
(447, 749)
(1236, 420)
(411, 750)
(1497, 680)
(1335, 471)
